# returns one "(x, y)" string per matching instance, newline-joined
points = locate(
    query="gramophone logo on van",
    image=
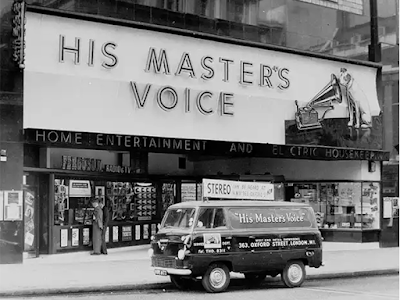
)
(342, 89)
(212, 240)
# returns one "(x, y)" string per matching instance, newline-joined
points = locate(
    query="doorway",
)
(36, 214)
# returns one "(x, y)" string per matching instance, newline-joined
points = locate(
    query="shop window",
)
(168, 196)
(370, 205)
(188, 191)
(126, 201)
(342, 205)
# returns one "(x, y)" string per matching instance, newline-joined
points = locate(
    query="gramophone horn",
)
(331, 92)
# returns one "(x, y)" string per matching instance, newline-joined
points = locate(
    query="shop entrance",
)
(36, 214)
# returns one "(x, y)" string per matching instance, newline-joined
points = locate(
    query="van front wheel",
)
(216, 279)
(294, 274)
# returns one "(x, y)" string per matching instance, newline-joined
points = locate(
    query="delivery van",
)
(209, 239)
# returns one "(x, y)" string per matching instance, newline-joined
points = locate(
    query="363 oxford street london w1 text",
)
(207, 68)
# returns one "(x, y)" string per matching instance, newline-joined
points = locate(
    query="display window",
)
(340, 205)
(126, 201)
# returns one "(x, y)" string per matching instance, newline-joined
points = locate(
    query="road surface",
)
(366, 288)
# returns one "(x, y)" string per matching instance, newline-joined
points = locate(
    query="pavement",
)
(128, 268)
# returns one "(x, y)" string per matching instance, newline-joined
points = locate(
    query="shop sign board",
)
(240, 190)
(203, 147)
(181, 86)
(87, 164)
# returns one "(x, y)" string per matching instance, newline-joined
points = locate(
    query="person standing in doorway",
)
(106, 219)
(97, 227)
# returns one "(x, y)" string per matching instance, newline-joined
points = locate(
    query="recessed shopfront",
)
(137, 118)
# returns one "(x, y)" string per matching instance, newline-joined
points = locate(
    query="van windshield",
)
(179, 218)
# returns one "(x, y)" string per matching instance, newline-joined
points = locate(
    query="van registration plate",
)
(160, 272)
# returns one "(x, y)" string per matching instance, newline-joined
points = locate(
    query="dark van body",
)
(256, 238)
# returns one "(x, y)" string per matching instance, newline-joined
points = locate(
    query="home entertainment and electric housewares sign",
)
(145, 83)
(53, 138)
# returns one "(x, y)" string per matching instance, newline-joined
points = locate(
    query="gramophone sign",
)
(307, 117)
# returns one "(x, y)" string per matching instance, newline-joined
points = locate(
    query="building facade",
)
(134, 102)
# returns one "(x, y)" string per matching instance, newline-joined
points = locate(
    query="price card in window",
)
(153, 229)
(64, 237)
(115, 233)
(146, 231)
(85, 236)
(75, 237)
(137, 232)
(107, 235)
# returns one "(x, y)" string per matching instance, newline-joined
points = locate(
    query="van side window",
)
(205, 218)
(211, 218)
(219, 218)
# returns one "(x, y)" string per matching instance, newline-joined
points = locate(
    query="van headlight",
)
(150, 252)
(181, 254)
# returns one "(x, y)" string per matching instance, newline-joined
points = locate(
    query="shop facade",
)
(137, 118)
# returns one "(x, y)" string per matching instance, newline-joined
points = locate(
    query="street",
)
(366, 288)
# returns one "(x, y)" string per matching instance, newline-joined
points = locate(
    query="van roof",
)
(237, 203)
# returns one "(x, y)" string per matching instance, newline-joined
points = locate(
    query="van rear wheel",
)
(216, 279)
(294, 274)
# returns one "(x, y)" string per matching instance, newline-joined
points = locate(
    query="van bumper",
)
(172, 271)
(314, 258)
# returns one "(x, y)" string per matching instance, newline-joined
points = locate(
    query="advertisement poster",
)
(387, 207)
(126, 233)
(137, 232)
(75, 237)
(29, 220)
(115, 233)
(100, 193)
(86, 238)
(64, 238)
(188, 192)
(146, 231)
(29, 238)
(79, 188)
(153, 229)
(1, 205)
(145, 201)
(107, 235)
(12, 205)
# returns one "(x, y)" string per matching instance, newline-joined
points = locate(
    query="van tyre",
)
(180, 282)
(216, 279)
(294, 274)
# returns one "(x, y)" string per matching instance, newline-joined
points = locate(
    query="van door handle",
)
(252, 237)
(228, 237)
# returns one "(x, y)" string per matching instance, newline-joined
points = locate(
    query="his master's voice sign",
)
(228, 189)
